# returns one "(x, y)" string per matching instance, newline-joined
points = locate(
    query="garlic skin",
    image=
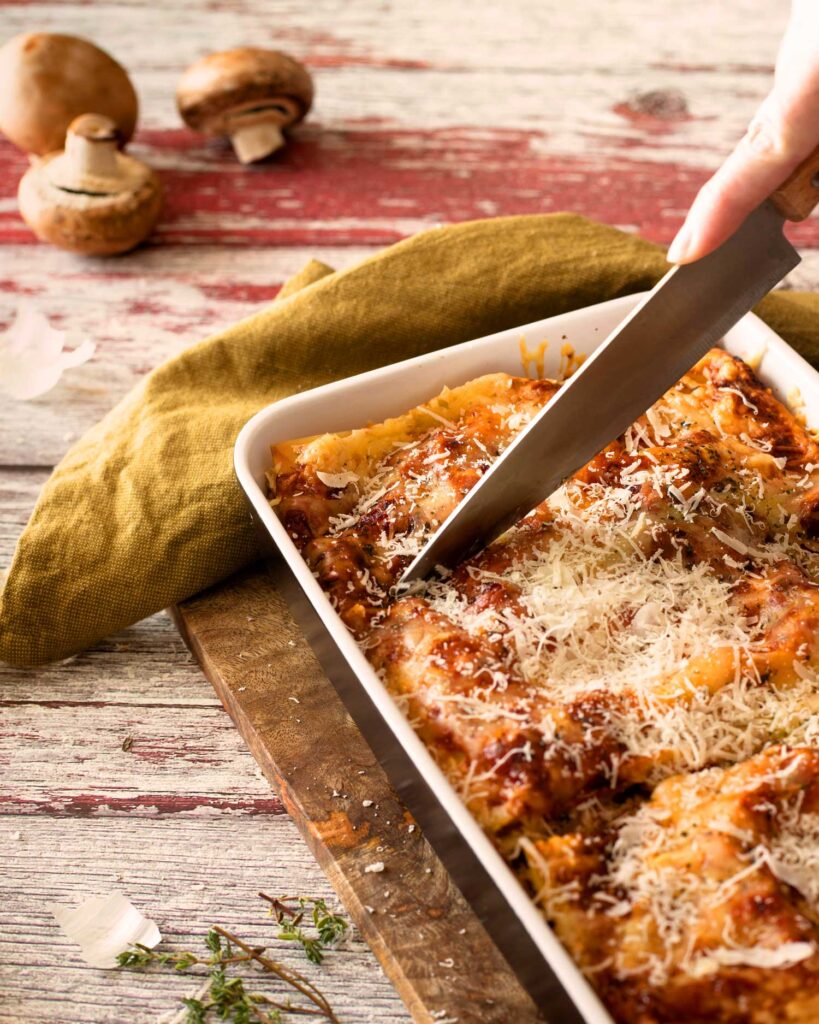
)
(33, 356)
(105, 926)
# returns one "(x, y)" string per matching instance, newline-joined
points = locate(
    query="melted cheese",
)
(598, 613)
(657, 616)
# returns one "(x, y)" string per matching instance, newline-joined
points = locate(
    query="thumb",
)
(771, 149)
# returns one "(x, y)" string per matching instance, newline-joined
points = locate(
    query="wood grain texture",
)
(428, 940)
(425, 113)
(797, 197)
(183, 823)
(140, 309)
(186, 872)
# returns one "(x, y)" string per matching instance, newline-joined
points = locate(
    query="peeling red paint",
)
(239, 291)
(373, 185)
(148, 804)
(322, 49)
(145, 307)
(364, 186)
(12, 287)
(358, 60)
(724, 69)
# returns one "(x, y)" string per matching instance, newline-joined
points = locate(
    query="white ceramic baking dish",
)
(374, 396)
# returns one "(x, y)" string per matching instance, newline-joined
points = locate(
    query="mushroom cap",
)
(91, 223)
(46, 80)
(221, 83)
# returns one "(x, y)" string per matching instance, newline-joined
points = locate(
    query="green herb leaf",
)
(214, 942)
(330, 928)
(228, 998)
(196, 1011)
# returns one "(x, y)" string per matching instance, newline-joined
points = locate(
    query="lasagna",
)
(624, 687)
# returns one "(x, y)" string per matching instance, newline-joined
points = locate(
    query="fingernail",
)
(680, 246)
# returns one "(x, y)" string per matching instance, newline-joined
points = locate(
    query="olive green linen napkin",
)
(144, 510)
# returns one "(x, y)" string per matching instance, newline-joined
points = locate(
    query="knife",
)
(679, 320)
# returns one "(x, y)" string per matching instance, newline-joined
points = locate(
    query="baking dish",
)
(534, 349)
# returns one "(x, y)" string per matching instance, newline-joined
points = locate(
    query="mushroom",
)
(248, 94)
(91, 198)
(47, 80)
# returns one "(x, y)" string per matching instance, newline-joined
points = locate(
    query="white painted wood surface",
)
(426, 113)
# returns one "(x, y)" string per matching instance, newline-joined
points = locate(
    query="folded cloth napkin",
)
(144, 510)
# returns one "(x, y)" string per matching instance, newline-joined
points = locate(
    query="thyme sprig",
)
(330, 928)
(226, 996)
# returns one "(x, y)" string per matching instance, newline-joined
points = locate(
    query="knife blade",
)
(683, 316)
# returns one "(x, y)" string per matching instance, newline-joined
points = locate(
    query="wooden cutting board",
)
(427, 938)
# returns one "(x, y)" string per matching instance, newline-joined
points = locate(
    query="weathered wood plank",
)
(186, 873)
(525, 35)
(389, 183)
(180, 759)
(146, 665)
(562, 69)
(191, 831)
(491, 114)
(428, 939)
(156, 302)
(139, 309)
(185, 756)
(92, 824)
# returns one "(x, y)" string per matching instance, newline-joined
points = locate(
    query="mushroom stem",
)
(89, 157)
(91, 148)
(255, 141)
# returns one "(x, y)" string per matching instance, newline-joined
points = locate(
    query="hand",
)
(783, 133)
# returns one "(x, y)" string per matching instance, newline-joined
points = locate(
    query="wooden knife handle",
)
(796, 197)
